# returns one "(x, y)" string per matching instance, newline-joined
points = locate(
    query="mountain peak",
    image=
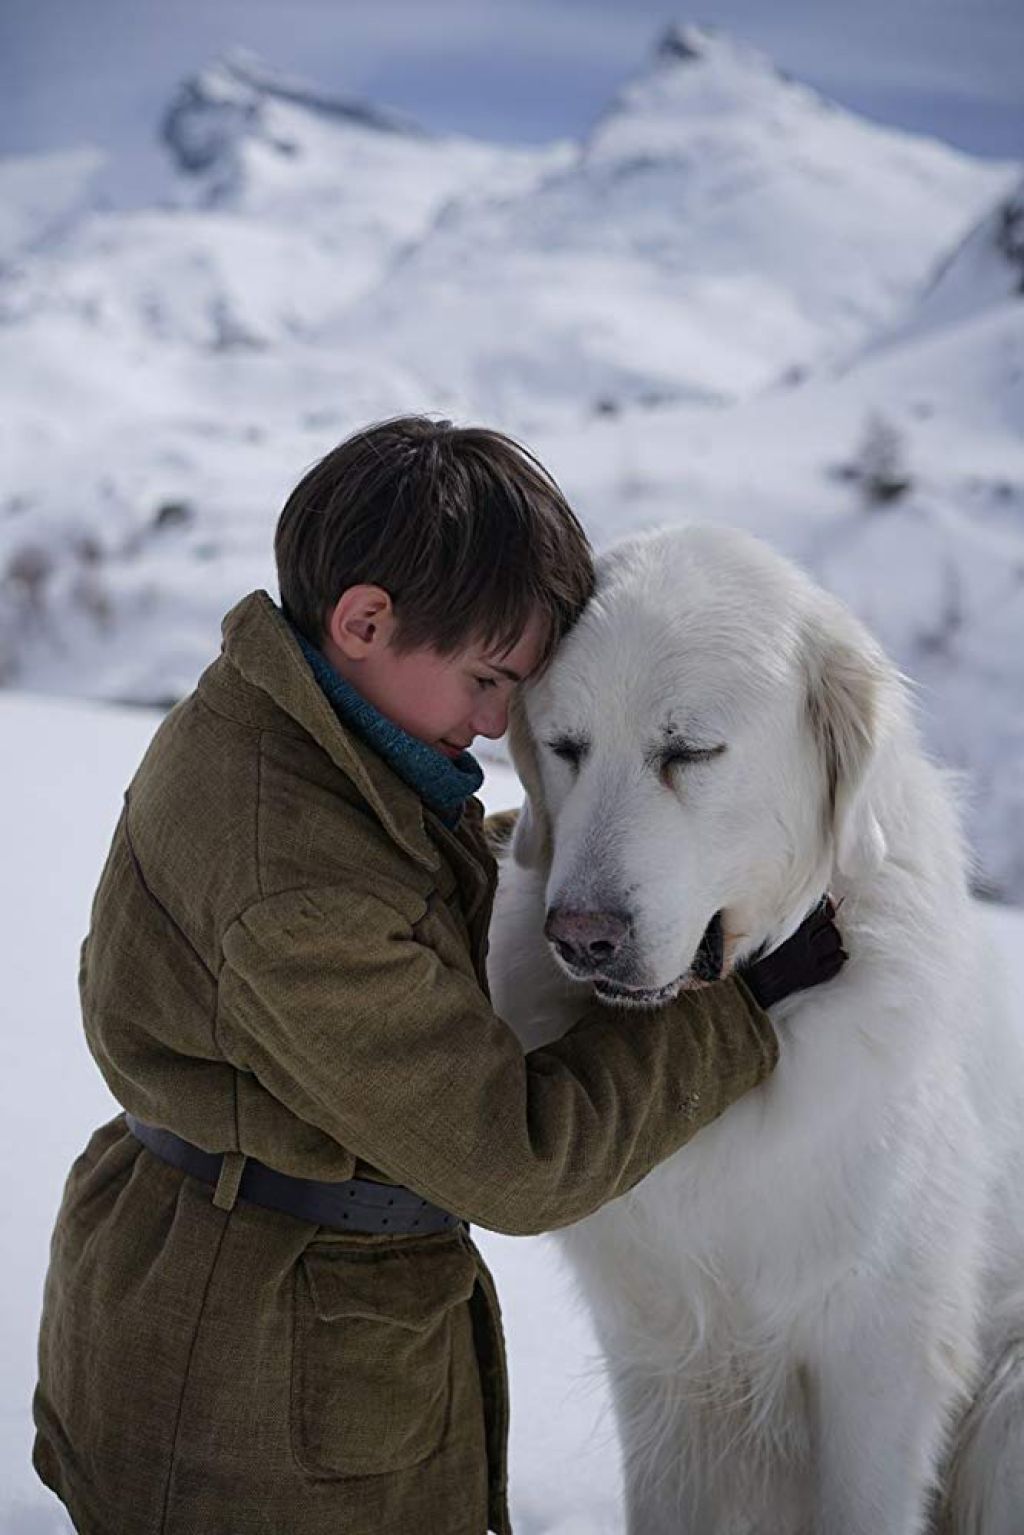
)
(232, 101)
(249, 70)
(720, 53)
(701, 81)
(683, 42)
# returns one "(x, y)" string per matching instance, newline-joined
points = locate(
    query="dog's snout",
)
(586, 940)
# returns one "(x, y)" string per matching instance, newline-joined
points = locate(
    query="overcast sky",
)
(100, 71)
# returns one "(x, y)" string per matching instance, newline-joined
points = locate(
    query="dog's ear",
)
(531, 840)
(847, 680)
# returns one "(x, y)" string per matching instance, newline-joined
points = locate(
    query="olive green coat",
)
(286, 961)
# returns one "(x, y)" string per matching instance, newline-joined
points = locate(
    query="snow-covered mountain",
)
(719, 227)
(732, 301)
(286, 210)
(42, 197)
(982, 272)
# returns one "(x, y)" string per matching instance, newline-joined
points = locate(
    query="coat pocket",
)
(372, 1355)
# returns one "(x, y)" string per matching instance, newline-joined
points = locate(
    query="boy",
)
(263, 1310)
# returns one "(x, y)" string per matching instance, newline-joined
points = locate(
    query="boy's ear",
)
(362, 615)
(531, 840)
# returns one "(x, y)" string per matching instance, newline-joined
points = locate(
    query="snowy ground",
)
(63, 768)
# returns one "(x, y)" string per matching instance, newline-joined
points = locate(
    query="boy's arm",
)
(330, 1000)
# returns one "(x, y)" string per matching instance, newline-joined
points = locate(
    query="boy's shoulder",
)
(253, 780)
(260, 678)
(253, 787)
(263, 678)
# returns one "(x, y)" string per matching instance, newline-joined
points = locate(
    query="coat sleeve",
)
(330, 1000)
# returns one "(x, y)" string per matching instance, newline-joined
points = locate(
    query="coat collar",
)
(260, 645)
(444, 784)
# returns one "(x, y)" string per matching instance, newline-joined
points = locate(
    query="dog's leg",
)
(688, 1470)
(659, 1445)
(882, 1398)
(984, 1492)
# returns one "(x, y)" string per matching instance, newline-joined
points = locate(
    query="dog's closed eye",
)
(678, 751)
(679, 754)
(571, 749)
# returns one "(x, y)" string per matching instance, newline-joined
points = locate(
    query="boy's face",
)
(444, 701)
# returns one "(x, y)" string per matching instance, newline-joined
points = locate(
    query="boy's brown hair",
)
(461, 526)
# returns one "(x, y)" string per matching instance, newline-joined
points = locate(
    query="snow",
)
(718, 226)
(985, 270)
(63, 769)
(40, 196)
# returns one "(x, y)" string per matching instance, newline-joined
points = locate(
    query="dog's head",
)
(697, 762)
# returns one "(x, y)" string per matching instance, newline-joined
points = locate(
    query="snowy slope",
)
(42, 196)
(727, 303)
(720, 226)
(985, 270)
(286, 209)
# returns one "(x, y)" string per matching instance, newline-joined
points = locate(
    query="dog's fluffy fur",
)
(813, 1314)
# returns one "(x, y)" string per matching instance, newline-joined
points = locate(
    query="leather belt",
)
(356, 1204)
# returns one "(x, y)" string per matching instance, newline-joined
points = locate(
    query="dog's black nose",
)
(586, 940)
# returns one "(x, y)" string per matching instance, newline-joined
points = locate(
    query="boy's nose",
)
(491, 719)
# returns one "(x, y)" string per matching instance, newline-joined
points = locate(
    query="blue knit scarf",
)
(444, 783)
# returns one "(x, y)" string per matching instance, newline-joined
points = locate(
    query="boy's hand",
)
(812, 955)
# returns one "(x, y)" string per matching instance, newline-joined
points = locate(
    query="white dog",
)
(813, 1314)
